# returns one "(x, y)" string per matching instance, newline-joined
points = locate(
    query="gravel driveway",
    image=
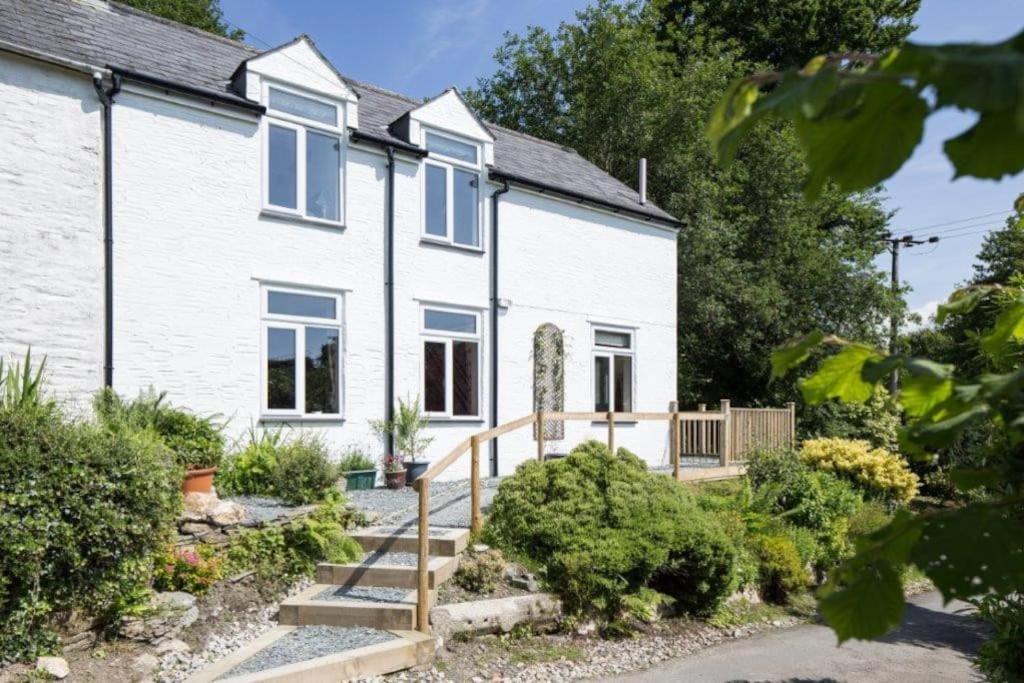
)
(934, 643)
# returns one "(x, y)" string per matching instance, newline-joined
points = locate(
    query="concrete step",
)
(392, 570)
(372, 606)
(444, 542)
(320, 654)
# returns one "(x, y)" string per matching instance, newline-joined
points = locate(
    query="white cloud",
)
(927, 312)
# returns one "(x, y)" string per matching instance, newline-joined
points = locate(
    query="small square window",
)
(304, 107)
(453, 149)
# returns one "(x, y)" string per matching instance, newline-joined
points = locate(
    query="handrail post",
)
(673, 438)
(422, 575)
(474, 484)
(702, 430)
(791, 407)
(725, 441)
(611, 432)
(540, 436)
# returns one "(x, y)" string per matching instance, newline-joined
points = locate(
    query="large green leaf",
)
(1009, 327)
(841, 377)
(960, 302)
(991, 148)
(926, 385)
(867, 605)
(787, 357)
(862, 146)
(732, 117)
(969, 551)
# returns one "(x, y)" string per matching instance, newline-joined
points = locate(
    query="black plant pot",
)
(414, 470)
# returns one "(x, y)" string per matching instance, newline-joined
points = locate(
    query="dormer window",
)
(451, 191)
(304, 156)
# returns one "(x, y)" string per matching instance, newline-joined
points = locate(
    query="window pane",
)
(451, 148)
(437, 201)
(449, 321)
(618, 340)
(465, 379)
(282, 167)
(323, 173)
(280, 369)
(601, 389)
(467, 209)
(322, 375)
(305, 107)
(623, 384)
(433, 377)
(304, 305)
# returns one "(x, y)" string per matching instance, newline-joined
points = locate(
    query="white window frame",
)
(610, 352)
(447, 338)
(450, 164)
(300, 126)
(298, 324)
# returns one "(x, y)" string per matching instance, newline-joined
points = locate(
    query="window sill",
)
(431, 242)
(303, 418)
(441, 419)
(305, 220)
(597, 423)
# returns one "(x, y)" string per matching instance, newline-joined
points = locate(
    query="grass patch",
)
(534, 651)
(743, 612)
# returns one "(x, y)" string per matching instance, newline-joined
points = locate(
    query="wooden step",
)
(373, 606)
(444, 542)
(385, 569)
(405, 650)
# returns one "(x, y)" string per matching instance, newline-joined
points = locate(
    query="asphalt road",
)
(933, 644)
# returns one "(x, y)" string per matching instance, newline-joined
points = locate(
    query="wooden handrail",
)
(675, 419)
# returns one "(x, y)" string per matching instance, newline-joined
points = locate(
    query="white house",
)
(266, 239)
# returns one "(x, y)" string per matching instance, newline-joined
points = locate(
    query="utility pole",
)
(894, 244)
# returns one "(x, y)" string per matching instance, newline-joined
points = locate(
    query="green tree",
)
(203, 14)
(1002, 251)
(859, 120)
(756, 266)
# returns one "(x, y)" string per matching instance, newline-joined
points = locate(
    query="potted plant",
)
(394, 471)
(406, 428)
(359, 471)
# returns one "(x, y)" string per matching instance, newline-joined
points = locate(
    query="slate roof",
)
(110, 34)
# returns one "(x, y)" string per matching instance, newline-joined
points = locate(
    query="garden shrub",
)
(869, 518)
(186, 569)
(1001, 656)
(251, 471)
(82, 508)
(782, 572)
(876, 421)
(646, 604)
(355, 460)
(875, 471)
(481, 572)
(284, 553)
(197, 442)
(598, 527)
(304, 473)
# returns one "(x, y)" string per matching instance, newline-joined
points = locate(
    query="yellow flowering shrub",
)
(878, 472)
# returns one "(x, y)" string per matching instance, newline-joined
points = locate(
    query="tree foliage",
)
(756, 267)
(202, 14)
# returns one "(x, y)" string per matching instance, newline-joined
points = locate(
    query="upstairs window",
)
(302, 353)
(451, 363)
(304, 156)
(613, 371)
(452, 191)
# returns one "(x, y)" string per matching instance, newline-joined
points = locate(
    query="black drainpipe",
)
(106, 97)
(494, 323)
(389, 304)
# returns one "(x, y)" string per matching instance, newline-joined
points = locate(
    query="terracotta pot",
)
(394, 480)
(198, 481)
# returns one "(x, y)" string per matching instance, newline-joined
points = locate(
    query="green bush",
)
(875, 471)
(284, 553)
(774, 466)
(355, 460)
(304, 473)
(186, 569)
(197, 442)
(782, 572)
(599, 526)
(481, 572)
(869, 518)
(251, 471)
(82, 508)
(876, 421)
(1001, 657)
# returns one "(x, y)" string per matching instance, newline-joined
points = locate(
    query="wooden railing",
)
(727, 434)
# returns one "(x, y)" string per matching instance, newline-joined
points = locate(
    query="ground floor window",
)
(613, 370)
(301, 352)
(451, 362)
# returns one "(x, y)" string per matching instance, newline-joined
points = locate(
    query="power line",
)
(961, 220)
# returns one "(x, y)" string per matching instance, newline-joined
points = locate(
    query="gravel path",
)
(401, 559)
(264, 509)
(364, 593)
(309, 642)
(449, 503)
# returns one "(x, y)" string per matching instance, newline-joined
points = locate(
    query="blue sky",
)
(421, 47)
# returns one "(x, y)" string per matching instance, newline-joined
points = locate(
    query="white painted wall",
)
(51, 227)
(191, 249)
